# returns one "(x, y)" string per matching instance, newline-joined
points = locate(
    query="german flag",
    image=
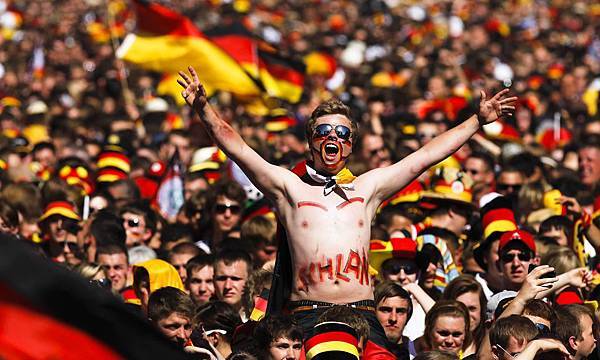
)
(168, 42)
(52, 313)
(278, 76)
(332, 341)
(260, 306)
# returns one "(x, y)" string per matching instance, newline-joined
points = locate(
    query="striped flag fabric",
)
(332, 341)
(167, 42)
(277, 75)
(49, 312)
(260, 306)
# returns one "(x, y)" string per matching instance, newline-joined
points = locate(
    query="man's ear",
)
(536, 260)
(495, 352)
(214, 338)
(573, 343)
(147, 235)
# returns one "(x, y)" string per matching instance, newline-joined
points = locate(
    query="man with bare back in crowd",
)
(326, 211)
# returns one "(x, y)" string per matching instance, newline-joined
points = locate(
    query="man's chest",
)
(338, 204)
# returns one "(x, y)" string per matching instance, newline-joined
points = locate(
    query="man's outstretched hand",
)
(193, 91)
(494, 108)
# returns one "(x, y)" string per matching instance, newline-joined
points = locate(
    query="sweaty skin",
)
(329, 234)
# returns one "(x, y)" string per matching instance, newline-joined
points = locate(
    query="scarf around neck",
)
(343, 179)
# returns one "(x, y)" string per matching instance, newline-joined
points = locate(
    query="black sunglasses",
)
(71, 245)
(101, 283)
(343, 132)
(542, 329)
(376, 151)
(222, 208)
(504, 187)
(394, 268)
(508, 257)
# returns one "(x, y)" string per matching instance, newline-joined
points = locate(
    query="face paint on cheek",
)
(346, 148)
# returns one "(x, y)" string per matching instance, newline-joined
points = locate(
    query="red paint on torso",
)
(350, 201)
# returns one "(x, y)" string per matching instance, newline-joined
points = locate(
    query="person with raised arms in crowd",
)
(326, 211)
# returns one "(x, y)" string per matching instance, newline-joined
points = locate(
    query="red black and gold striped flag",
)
(50, 312)
(260, 306)
(168, 42)
(277, 75)
(332, 341)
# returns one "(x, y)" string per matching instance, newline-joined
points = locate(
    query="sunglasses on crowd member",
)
(71, 245)
(394, 268)
(132, 223)
(504, 187)
(542, 329)
(222, 208)
(101, 283)
(376, 151)
(509, 257)
(511, 355)
(342, 132)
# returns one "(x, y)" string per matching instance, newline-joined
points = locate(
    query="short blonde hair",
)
(562, 260)
(88, 271)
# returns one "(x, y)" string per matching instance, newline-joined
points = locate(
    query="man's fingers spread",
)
(507, 107)
(509, 100)
(182, 83)
(185, 77)
(504, 91)
(194, 75)
(482, 95)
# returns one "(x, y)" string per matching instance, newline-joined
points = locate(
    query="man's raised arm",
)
(266, 177)
(388, 181)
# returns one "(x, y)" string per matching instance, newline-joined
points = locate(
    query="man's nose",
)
(289, 354)
(393, 318)
(228, 283)
(402, 274)
(180, 333)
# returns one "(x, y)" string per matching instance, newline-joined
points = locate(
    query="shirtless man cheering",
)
(327, 212)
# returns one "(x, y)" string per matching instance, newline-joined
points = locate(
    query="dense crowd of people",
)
(491, 253)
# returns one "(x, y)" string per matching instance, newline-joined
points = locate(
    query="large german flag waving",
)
(48, 312)
(277, 75)
(167, 42)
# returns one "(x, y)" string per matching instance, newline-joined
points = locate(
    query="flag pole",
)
(127, 97)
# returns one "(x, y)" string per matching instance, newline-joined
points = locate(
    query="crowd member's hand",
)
(542, 345)
(571, 204)
(193, 93)
(494, 108)
(533, 284)
(580, 277)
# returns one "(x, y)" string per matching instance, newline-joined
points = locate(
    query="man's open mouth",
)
(331, 149)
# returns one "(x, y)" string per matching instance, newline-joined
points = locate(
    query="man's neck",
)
(224, 348)
(322, 170)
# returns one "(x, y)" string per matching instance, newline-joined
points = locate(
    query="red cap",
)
(517, 235)
(569, 296)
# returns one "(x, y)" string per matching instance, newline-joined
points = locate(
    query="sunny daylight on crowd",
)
(299, 179)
